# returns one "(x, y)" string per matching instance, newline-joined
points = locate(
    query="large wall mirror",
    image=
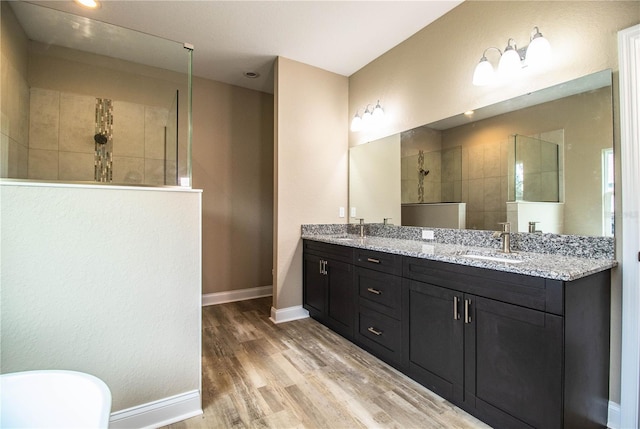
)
(86, 101)
(542, 161)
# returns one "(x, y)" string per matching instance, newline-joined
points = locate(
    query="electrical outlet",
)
(353, 212)
(427, 234)
(341, 212)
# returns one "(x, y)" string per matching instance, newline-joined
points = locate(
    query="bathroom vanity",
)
(519, 341)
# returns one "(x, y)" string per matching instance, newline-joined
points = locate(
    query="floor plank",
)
(300, 374)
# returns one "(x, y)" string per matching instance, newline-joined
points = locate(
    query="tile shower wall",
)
(441, 184)
(61, 144)
(14, 132)
(485, 172)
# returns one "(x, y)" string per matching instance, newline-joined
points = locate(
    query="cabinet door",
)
(513, 364)
(314, 286)
(436, 339)
(341, 308)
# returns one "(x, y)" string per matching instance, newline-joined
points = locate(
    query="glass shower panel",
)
(536, 170)
(88, 111)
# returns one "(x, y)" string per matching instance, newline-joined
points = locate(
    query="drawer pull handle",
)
(467, 315)
(375, 261)
(374, 331)
(456, 303)
(375, 291)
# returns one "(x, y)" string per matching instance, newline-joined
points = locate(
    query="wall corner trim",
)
(613, 421)
(288, 314)
(159, 413)
(236, 295)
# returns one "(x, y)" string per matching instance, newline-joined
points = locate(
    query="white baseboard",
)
(614, 416)
(288, 314)
(158, 413)
(236, 295)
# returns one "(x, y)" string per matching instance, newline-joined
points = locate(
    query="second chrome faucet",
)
(505, 234)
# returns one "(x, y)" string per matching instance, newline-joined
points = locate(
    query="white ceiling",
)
(232, 37)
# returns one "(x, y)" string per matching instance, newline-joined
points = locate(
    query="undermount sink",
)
(512, 260)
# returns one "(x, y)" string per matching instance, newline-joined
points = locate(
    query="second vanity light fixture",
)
(512, 60)
(369, 119)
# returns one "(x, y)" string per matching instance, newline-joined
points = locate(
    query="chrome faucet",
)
(361, 227)
(532, 227)
(505, 234)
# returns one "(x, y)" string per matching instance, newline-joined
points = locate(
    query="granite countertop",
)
(551, 266)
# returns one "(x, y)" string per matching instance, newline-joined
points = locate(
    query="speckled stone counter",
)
(465, 247)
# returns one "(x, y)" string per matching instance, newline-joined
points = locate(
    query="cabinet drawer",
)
(527, 291)
(380, 291)
(380, 334)
(379, 261)
(327, 250)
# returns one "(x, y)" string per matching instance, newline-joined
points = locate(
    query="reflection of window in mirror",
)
(607, 193)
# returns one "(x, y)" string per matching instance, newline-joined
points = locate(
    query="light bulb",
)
(367, 118)
(356, 123)
(539, 51)
(509, 64)
(378, 113)
(483, 74)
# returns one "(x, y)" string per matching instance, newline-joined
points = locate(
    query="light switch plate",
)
(353, 212)
(341, 212)
(427, 234)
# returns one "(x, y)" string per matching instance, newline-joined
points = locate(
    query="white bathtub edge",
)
(158, 413)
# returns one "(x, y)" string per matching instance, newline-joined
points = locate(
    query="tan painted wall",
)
(428, 77)
(233, 165)
(311, 164)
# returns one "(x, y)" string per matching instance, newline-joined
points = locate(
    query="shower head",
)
(100, 138)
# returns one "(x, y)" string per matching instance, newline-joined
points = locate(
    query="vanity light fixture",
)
(512, 60)
(90, 4)
(372, 117)
(356, 123)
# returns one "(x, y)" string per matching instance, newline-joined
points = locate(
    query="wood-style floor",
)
(302, 375)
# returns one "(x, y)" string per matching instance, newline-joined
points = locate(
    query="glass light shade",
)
(367, 118)
(356, 123)
(538, 52)
(378, 113)
(483, 74)
(509, 65)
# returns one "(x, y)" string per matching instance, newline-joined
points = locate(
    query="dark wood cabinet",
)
(516, 351)
(328, 287)
(509, 364)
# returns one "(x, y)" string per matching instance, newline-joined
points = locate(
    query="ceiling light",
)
(91, 4)
(251, 75)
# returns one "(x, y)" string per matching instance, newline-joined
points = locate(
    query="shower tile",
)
(43, 164)
(128, 129)
(549, 186)
(492, 167)
(155, 120)
(4, 101)
(171, 173)
(531, 187)
(549, 157)
(128, 170)
(432, 193)
(20, 132)
(476, 195)
(475, 220)
(23, 162)
(44, 114)
(492, 194)
(77, 123)
(6, 163)
(76, 166)
(154, 172)
(465, 164)
(492, 219)
(476, 162)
